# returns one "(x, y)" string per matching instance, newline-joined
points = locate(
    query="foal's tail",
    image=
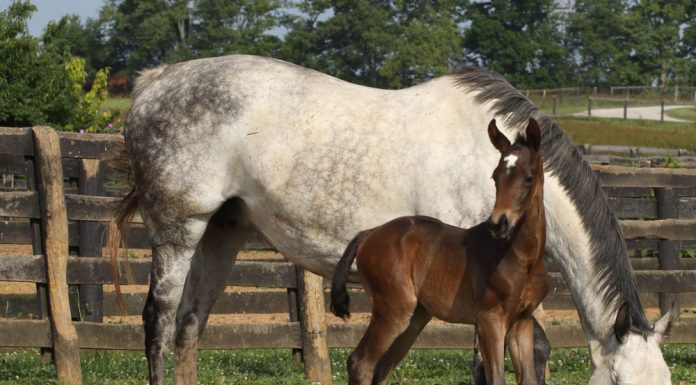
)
(340, 300)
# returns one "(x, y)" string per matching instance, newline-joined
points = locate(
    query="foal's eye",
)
(529, 179)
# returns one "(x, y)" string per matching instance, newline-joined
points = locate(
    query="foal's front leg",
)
(491, 332)
(520, 342)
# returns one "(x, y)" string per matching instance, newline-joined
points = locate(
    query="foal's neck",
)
(531, 230)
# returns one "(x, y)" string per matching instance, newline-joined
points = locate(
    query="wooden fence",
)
(62, 213)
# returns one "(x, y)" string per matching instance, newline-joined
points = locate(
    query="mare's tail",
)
(118, 225)
(340, 300)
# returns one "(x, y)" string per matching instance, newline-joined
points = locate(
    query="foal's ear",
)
(623, 323)
(497, 138)
(533, 134)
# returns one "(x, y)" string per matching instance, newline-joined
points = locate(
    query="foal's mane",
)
(562, 159)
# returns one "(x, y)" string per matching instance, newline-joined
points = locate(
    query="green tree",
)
(429, 41)
(85, 113)
(138, 34)
(223, 27)
(358, 38)
(32, 80)
(303, 44)
(520, 40)
(598, 37)
(657, 40)
(388, 44)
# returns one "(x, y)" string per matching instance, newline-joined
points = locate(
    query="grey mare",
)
(221, 146)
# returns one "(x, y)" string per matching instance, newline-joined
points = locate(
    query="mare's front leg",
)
(520, 342)
(491, 333)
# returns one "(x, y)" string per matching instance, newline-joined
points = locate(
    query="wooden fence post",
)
(293, 313)
(625, 109)
(667, 207)
(313, 324)
(662, 110)
(589, 106)
(54, 218)
(90, 242)
(37, 249)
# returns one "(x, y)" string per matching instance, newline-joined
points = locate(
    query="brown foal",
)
(491, 275)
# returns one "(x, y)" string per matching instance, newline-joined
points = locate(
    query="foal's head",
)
(518, 174)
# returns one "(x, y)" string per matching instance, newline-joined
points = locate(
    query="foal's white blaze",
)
(510, 161)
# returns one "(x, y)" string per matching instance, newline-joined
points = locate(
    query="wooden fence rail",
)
(657, 208)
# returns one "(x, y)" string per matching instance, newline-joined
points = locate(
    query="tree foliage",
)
(519, 39)
(32, 79)
(85, 114)
(40, 82)
(383, 43)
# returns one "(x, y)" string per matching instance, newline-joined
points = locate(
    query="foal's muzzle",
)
(499, 228)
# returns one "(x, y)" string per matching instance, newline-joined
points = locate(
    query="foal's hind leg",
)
(401, 346)
(388, 321)
(171, 259)
(210, 271)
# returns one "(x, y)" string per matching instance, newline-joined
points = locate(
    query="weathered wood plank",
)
(93, 208)
(83, 270)
(54, 221)
(649, 281)
(76, 145)
(672, 229)
(13, 164)
(615, 176)
(281, 274)
(687, 208)
(22, 268)
(36, 334)
(633, 208)
(19, 204)
(628, 192)
(16, 141)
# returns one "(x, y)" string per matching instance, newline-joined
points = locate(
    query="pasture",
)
(268, 366)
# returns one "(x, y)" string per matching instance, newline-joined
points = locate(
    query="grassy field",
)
(630, 132)
(263, 367)
(686, 113)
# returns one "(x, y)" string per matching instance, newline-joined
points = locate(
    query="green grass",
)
(118, 106)
(644, 133)
(117, 103)
(686, 113)
(275, 366)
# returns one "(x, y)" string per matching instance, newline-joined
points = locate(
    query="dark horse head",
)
(516, 177)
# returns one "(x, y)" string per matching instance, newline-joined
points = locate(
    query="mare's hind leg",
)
(401, 346)
(210, 271)
(171, 259)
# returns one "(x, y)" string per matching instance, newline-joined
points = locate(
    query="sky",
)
(55, 9)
